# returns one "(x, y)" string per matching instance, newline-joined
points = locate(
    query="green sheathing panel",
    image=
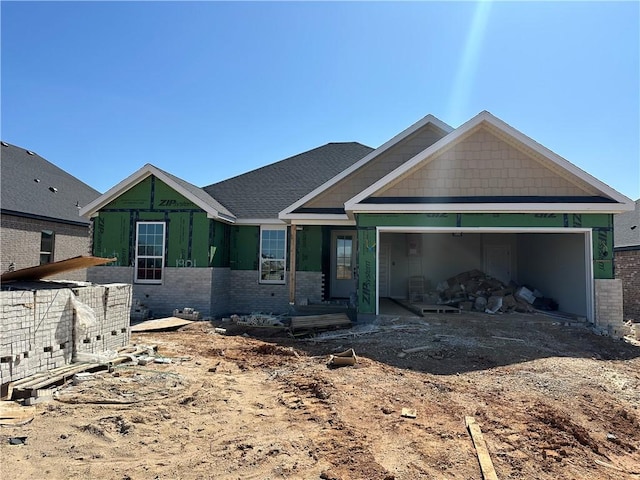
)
(111, 237)
(407, 220)
(219, 240)
(166, 198)
(137, 197)
(511, 220)
(245, 247)
(367, 270)
(309, 249)
(188, 241)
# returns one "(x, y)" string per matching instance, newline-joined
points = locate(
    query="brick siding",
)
(609, 319)
(214, 292)
(627, 268)
(248, 295)
(181, 287)
(20, 243)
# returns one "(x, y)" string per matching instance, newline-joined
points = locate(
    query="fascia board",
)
(259, 221)
(363, 161)
(319, 219)
(491, 207)
(91, 208)
(560, 161)
(137, 177)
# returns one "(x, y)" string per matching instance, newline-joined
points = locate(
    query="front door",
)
(343, 263)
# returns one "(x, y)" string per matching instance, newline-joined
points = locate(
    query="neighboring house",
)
(627, 259)
(39, 212)
(345, 221)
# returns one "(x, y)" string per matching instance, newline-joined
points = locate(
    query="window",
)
(272, 255)
(149, 252)
(46, 246)
(344, 268)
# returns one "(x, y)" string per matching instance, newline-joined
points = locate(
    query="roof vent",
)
(78, 205)
(4, 144)
(37, 180)
(53, 189)
(30, 152)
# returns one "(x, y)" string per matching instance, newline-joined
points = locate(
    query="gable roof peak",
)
(195, 194)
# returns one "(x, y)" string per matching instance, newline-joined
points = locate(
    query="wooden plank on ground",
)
(486, 465)
(14, 414)
(314, 322)
(169, 323)
(29, 385)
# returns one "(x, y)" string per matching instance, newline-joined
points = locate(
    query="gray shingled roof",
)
(624, 234)
(21, 194)
(265, 192)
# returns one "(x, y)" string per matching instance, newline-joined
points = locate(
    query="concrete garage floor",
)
(391, 307)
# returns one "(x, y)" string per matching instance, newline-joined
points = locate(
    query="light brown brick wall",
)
(20, 243)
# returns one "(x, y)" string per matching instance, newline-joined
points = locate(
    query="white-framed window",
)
(149, 252)
(273, 254)
(47, 240)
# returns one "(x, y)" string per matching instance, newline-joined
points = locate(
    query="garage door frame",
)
(588, 250)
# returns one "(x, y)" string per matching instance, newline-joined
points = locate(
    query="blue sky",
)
(209, 90)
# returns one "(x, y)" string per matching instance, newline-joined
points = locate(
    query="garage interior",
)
(556, 264)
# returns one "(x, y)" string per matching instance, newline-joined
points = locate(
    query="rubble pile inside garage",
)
(475, 290)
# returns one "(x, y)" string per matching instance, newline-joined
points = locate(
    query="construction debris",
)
(348, 357)
(12, 414)
(319, 322)
(474, 290)
(187, 313)
(257, 319)
(409, 413)
(169, 323)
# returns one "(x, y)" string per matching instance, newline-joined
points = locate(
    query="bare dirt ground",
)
(553, 402)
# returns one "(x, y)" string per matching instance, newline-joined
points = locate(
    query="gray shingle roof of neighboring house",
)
(199, 193)
(34, 187)
(266, 191)
(627, 228)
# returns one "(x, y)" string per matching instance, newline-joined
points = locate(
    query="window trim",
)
(264, 228)
(162, 257)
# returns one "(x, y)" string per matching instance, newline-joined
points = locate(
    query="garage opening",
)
(556, 265)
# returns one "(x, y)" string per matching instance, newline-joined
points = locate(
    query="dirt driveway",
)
(553, 402)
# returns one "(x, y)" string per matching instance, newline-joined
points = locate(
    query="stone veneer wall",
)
(609, 318)
(627, 269)
(46, 328)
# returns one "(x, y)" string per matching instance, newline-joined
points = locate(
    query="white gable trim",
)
(286, 213)
(354, 205)
(320, 219)
(135, 178)
(491, 207)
